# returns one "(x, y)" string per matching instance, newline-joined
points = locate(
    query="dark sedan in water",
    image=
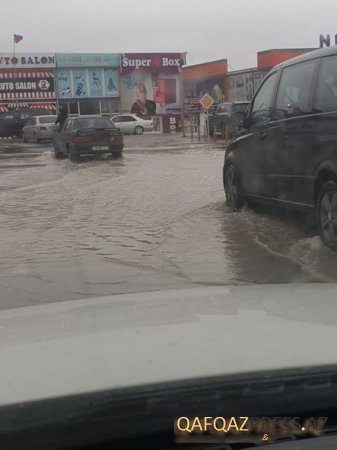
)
(87, 136)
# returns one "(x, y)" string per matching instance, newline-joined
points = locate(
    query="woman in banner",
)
(142, 106)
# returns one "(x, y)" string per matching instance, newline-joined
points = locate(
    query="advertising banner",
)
(27, 60)
(87, 83)
(26, 84)
(192, 104)
(64, 84)
(95, 83)
(88, 60)
(243, 86)
(111, 88)
(80, 83)
(151, 83)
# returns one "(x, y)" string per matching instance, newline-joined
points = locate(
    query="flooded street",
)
(154, 219)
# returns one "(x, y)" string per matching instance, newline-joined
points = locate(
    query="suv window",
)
(325, 98)
(294, 92)
(263, 101)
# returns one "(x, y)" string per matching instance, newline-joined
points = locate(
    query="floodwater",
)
(154, 219)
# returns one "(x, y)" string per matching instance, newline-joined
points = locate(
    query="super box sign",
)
(152, 62)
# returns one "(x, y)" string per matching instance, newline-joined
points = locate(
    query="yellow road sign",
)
(207, 101)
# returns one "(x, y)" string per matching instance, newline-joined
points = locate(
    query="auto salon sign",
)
(153, 62)
(26, 84)
(27, 60)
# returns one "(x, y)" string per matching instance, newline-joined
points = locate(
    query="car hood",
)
(127, 340)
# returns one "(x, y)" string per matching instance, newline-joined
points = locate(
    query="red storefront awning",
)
(50, 106)
(18, 105)
(3, 108)
(26, 73)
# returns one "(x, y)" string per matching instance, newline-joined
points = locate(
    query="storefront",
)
(242, 84)
(200, 79)
(151, 87)
(88, 83)
(27, 81)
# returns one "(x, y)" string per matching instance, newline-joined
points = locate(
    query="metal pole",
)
(15, 97)
(226, 136)
(182, 103)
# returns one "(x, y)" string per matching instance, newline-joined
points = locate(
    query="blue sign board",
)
(88, 59)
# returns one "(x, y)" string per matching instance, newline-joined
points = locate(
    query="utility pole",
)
(16, 100)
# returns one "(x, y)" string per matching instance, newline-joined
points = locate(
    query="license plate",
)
(101, 147)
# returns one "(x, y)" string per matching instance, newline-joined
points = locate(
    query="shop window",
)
(89, 108)
(109, 106)
(73, 108)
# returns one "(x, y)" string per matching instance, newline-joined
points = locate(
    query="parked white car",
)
(38, 128)
(130, 123)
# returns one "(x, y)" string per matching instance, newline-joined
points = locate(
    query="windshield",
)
(189, 152)
(49, 119)
(92, 123)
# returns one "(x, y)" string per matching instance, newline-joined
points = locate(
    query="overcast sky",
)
(206, 29)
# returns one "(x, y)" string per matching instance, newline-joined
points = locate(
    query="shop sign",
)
(88, 59)
(153, 62)
(26, 84)
(192, 104)
(27, 60)
(325, 41)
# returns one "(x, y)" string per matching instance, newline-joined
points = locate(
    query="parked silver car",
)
(130, 123)
(38, 128)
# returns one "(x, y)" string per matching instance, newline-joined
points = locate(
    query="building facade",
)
(27, 80)
(199, 79)
(88, 83)
(151, 87)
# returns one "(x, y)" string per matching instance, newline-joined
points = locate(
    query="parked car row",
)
(13, 122)
(36, 125)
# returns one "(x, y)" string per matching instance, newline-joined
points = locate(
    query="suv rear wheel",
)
(233, 188)
(327, 214)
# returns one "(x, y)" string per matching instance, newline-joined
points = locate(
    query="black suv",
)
(287, 152)
(12, 122)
